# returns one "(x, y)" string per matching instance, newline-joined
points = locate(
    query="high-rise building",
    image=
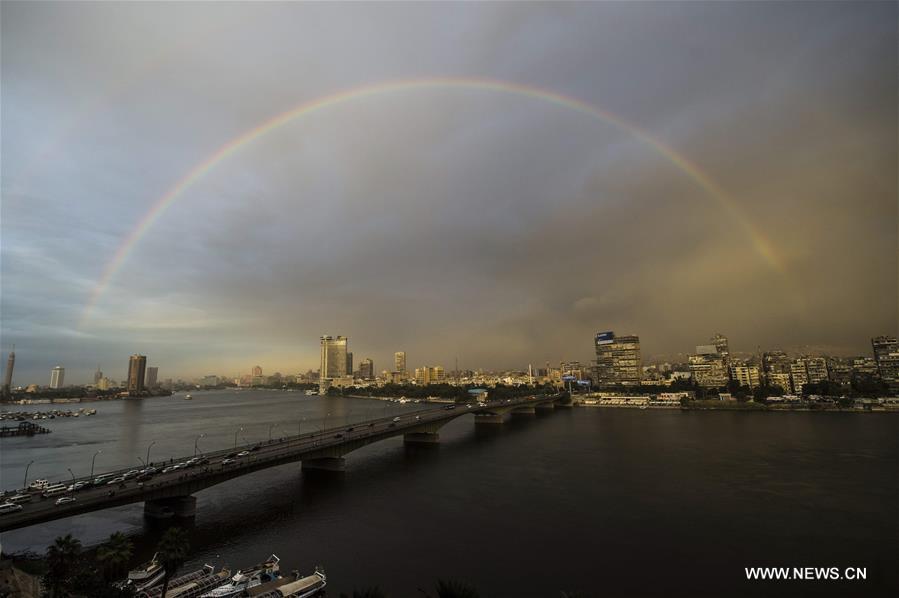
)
(720, 342)
(57, 377)
(399, 361)
(799, 375)
(7, 377)
(430, 375)
(707, 368)
(349, 363)
(333, 357)
(103, 383)
(886, 356)
(815, 369)
(137, 369)
(152, 373)
(97, 376)
(617, 359)
(745, 375)
(367, 369)
(257, 370)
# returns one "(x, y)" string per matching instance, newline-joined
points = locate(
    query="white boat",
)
(304, 587)
(38, 485)
(246, 579)
(147, 575)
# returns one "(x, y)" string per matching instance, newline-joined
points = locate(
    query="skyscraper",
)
(97, 376)
(618, 359)
(152, 373)
(137, 369)
(886, 356)
(333, 358)
(7, 378)
(367, 369)
(349, 363)
(399, 361)
(57, 377)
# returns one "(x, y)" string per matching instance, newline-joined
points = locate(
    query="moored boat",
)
(249, 578)
(189, 585)
(147, 575)
(298, 587)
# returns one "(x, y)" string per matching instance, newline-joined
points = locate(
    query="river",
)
(606, 502)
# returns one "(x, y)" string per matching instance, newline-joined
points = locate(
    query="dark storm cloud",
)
(493, 227)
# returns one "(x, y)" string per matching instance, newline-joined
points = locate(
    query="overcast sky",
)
(493, 227)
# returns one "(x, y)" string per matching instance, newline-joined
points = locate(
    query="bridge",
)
(171, 493)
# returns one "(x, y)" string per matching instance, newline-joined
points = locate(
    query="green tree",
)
(172, 551)
(455, 589)
(114, 555)
(62, 557)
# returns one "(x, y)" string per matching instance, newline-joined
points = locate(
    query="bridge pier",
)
(166, 508)
(526, 411)
(488, 418)
(545, 407)
(324, 464)
(421, 438)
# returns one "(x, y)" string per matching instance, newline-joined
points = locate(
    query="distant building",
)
(886, 356)
(799, 375)
(7, 377)
(152, 374)
(349, 363)
(720, 342)
(333, 356)
(367, 369)
(103, 383)
(745, 375)
(816, 369)
(57, 377)
(618, 359)
(781, 379)
(257, 370)
(430, 375)
(137, 369)
(399, 362)
(97, 376)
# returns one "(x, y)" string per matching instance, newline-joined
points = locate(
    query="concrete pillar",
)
(427, 438)
(488, 418)
(165, 508)
(324, 464)
(526, 411)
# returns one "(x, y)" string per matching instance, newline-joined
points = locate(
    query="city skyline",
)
(454, 200)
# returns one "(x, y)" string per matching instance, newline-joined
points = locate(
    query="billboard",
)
(569, 378)
(605, 338)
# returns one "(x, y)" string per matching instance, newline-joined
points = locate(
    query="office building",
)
(367, 369)
(333, 356)
(349, 363)
(618, 359)
(137, 369)
(152, 374)
(707, 368)
(799, 375)
(7, 377)
(430, 375)
(57, 377)
(886, 356)
(399, 361)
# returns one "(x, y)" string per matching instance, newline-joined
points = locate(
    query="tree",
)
(62, 556)
(172, 551)
(455, 589)
(114, 555)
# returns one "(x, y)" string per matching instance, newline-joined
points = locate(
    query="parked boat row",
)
(53, 414)
(259, 581)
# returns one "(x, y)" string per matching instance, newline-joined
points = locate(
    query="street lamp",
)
(25, 484)
(142, 462)
(196, 441)
(92, 462)
(73, 479)
(148, 451)
(239, 430)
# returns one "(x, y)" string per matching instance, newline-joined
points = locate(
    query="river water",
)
(605, 502)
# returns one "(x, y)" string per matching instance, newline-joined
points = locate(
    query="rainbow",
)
(705, 182)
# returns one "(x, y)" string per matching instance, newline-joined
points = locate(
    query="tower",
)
(137, 369)
(10, 364)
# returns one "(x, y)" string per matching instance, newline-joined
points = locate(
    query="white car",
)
(64, 500)
(227, 461)
(168, 469)
(243, 453)
(118, 480)
(396, 419)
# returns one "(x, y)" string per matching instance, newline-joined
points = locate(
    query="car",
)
(131, 473)
(169, 469)
(228, 461)
(77, 486)
(144, 477)
(396, 419)
(468, 406)
(118, 480)
(17, 498)
(203, 461)
(149, 470)
(338, 436)
(417, 417)
(64, 500)
(100, 480)
(243, 453)
(448, 407)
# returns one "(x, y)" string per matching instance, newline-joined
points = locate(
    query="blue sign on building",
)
(605, 338)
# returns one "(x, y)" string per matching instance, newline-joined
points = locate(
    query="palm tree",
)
(455, 589)
(115, 554)
(61, 558)
(372, 592)
(172, 551)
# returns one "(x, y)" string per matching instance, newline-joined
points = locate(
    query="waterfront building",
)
(7, 376)
(57, 377)
(745, 375)
(152, 374)
(708, 367)
(720, 342)
(781, 379)
(618, 359)
(815, 369)
(333, 356)
(137, 369)
(399, 362)
(799, 375)
(864, 366)
(886, 356)
(367, 369)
